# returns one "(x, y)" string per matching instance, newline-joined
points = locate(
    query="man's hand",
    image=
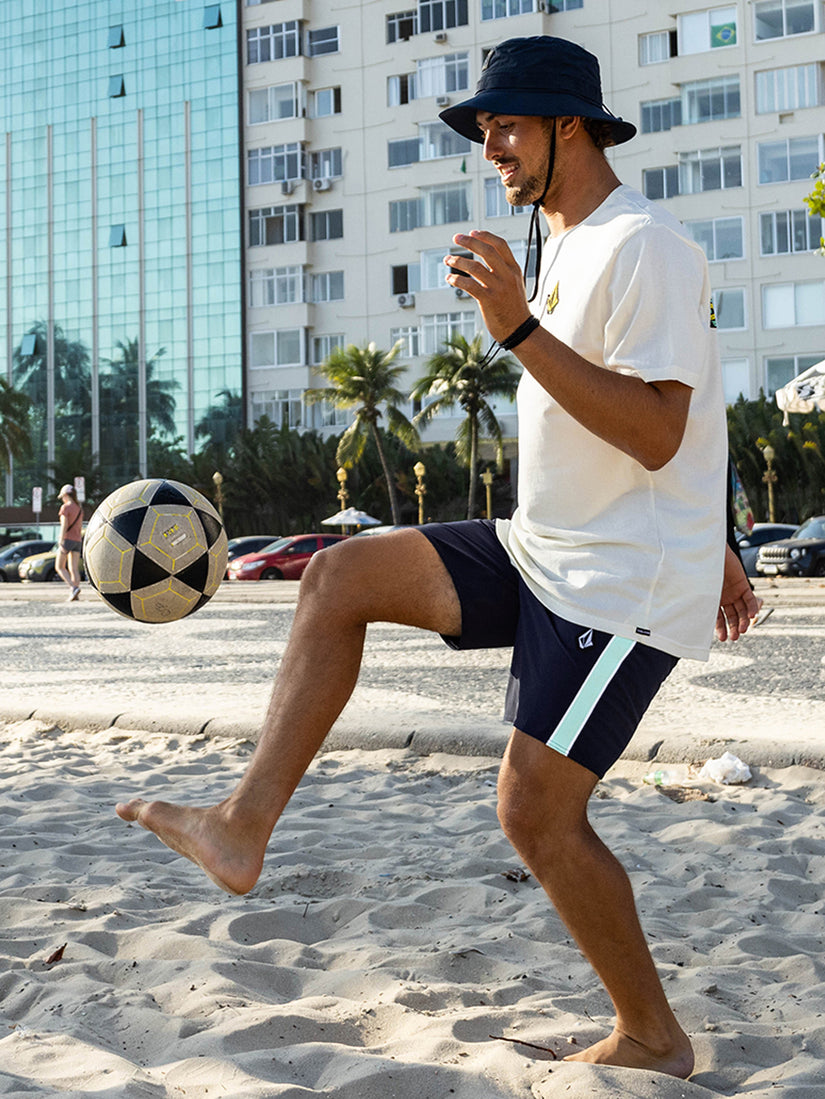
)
(738, 606)
(494, 279)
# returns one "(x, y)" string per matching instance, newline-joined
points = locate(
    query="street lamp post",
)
(217, 477)
(343, 495)
(487, 479)
(419, 470)
(769, 478)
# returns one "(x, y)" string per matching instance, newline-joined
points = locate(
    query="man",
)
(612, 565)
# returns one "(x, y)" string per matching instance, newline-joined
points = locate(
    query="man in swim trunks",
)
(610, 569)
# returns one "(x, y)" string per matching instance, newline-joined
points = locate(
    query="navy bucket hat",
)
(544, 76)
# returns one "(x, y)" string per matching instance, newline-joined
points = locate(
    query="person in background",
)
(67, 564)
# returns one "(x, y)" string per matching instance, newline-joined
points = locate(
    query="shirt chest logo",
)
(552, 299)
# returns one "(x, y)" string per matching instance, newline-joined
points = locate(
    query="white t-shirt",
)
(599, 539)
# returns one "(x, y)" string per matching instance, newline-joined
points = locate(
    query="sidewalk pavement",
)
(81, 666)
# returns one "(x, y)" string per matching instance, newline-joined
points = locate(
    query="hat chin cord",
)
(534, 219)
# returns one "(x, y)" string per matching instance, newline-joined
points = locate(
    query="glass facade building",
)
(120, 231)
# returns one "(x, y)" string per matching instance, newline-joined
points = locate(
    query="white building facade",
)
(354, 189)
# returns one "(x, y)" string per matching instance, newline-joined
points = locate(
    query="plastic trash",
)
(728, 769)
(677, 774)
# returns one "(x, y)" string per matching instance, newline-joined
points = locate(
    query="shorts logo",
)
(586, 640)
(552, 299)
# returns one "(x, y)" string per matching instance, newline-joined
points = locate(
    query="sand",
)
(392, 932)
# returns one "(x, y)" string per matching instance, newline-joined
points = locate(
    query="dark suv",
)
(803, 554)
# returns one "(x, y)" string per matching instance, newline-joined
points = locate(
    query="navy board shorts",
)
(579, 690)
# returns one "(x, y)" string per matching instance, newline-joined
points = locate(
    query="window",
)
(276, 225)
(790, 304)
(274, 42)
(501, 9)
(657, 47)
(325, 164)
(403, 151)
(323, 346)
(326, 101)
(116, 39)
(284, 407)
(212, 17)
(28, 345)
(117, 236)
(721, 238)
(274, 103)
(730, 308)
(442, 75)
(433, 271)
(281, 348)
(275, 163)
(495, 200)
(787, 89)
(793, 158)
(436, 141)
(400, 89)
(661, 182)
(707, 30)
(710, 170)
(782, 369)
(735, 379)
(327, 225)
(437, 328)
(554, 6)
(781, 18)
(786, 231)
(328, 286)
(710, 100)
(437, 205)
(405, 278)
(660, 114)
(117, 87)
(410, 337)
(402, 26)
(323, 41)
(438, 15)
(276, 286)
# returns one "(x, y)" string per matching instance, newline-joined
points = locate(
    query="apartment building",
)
(354, 188)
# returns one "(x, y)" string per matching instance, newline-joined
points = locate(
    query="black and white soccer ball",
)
(155, 550)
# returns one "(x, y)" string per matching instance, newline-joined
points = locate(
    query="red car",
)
(284, 559)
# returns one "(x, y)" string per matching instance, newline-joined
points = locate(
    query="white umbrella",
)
(803, 393)
(351, 517)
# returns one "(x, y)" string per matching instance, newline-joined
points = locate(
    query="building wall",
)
(120, 252)
(754, 355)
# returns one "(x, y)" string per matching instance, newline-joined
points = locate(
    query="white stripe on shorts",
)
(566, 733)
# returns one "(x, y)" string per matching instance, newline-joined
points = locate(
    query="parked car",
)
(760, 535)
(17, 534)
(12, 555)
(41, 567)
(285, 559)
(803, 554)
(247, 543)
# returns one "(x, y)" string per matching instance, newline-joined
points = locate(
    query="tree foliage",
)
(15, 427)
(799, 491)
(815, 201)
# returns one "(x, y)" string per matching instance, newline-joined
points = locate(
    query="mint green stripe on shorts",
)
(575, 718)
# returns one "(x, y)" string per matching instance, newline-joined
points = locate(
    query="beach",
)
(394, 946)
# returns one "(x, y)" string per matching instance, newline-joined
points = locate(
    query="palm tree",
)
(456, 375)
(362, 378)
(15, 437)
(119, 389)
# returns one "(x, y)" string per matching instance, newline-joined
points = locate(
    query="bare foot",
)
(621, 1049)
(207, 837)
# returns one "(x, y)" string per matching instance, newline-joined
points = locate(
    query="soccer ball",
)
(155, 550)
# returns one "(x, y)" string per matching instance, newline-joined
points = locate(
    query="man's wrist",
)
(521, 333)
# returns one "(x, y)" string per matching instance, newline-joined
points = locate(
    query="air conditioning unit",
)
(288, 186)
(459, 293)
(405, 301)
(322, 185)
(441, 36)
(442, 101)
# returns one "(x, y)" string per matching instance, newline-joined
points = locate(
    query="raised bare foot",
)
(620, 1049)
(205, 836)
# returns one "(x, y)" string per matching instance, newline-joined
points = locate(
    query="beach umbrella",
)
(351, 517)
(804, 393)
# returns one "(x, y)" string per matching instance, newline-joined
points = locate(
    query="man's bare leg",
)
(395, 577)
(543, 810)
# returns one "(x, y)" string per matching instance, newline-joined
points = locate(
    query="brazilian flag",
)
(723, 35)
